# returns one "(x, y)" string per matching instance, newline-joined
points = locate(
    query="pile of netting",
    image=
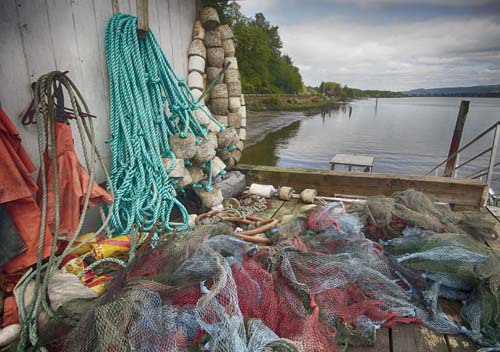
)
(321, 287)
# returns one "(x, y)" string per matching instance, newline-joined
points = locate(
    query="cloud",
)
(441, 51)
(451, 3)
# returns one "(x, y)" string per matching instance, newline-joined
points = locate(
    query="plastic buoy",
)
(308, 195)
(285, 193)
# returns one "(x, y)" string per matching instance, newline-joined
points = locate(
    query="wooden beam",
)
(457, 137)
(142, 17)
(465, 193)
(115, 6)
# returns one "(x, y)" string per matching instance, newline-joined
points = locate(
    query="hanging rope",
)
(44, 109)
(141, 82)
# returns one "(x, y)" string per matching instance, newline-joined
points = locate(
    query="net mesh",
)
(324, 285)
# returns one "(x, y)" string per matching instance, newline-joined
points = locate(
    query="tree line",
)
(264, 68)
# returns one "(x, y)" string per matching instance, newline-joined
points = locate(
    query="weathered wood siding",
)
(37, 36)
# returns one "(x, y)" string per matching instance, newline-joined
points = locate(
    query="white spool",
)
(212, 138)
(196, 93)
(204, 152)
(212, 39)
(220, 106)
(196, 63)
(234, 62)
(209, 18)
(228, 46)
(231, 76)
(212, 73)
(267, 191)
(234, 120)
(308, 195)
(213, 127)
(227, 137)
(179, 169)
(198, 30)
(243, 134)
(222, 119)
(211, 199)
(234, 104)
(285, 193)
(201, 117)
(215, 57)
(186, 180)
(192, 220)
(240, 145)
(183, 148)
(243, 111)
(195, 80)
(225, 32)
(196, 174)
(217, 166)
(197, 48)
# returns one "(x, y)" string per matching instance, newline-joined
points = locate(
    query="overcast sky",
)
(389, 44)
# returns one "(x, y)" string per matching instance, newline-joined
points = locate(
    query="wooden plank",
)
(175, 26)
(417, 338)
(187, 15)
(64, 41)
(382, 343)
(35, 31)
(143, 16)
(154, 24)
(132, 4)
(124, 6)
(464, 192)
(92, 84)
(456, 343)
(14, 91)
(165, 30)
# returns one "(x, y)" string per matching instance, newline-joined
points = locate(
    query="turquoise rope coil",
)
(142, 82)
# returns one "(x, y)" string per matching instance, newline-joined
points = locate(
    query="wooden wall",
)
(37, 36)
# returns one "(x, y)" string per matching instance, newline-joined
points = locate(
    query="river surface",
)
(405, 135)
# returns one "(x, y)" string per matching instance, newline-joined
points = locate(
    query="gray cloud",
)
(397, 53)
(435, 52)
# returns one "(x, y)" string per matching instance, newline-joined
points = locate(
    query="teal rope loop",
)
(141, 81)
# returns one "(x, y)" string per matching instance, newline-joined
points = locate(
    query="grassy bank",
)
(263, 103)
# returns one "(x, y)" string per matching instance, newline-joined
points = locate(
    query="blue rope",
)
(141, 82)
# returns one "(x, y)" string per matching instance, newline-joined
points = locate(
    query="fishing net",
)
(386, 217)
(323, 286)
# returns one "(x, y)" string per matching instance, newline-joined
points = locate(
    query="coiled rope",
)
(141, 82)
(45, 122)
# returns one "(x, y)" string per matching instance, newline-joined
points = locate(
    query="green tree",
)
(263, 67)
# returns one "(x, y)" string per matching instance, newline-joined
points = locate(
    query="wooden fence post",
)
(457, 136)
(142, 17)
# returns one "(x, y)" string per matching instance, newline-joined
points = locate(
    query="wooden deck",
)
(403, 338)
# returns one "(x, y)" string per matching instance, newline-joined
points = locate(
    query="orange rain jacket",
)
(73, 185)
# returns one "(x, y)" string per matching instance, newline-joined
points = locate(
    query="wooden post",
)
(457, 136)
(115, 6)
(142, 18)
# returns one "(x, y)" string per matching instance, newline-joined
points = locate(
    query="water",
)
(405, 135)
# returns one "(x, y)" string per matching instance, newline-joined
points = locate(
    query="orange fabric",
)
(16, 188)
(15, 165)
(73, 184)
(26, 216)
(10, 312)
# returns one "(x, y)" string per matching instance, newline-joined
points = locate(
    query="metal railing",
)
(492, 150)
